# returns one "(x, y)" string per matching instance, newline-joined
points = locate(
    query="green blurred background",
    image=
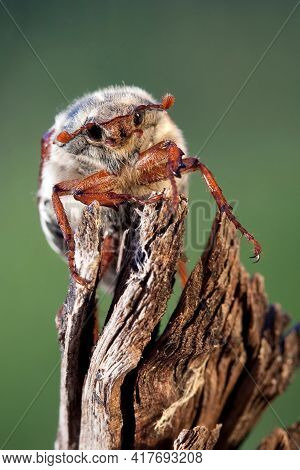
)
(202, 51)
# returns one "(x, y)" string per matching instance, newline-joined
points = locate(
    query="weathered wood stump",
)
(205, 381)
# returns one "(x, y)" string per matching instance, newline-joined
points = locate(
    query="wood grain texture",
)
(76, 322)
(198, 438)
(140, 302)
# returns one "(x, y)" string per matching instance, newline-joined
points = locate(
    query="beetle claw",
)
(255, 258)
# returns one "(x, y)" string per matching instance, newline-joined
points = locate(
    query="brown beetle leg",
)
(65, 227)
(193, 164)
(109, 249)
(160, 162)
(111, 199)
(87, 191)
(182, 271)
(165, 158)
(73, 187)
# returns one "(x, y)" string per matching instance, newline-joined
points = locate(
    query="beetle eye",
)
(137, 118)
(94, 132)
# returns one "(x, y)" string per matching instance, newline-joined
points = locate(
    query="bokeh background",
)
(202, 51)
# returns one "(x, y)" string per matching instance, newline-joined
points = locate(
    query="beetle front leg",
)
(160, 162)
(88, 196)
(111, 199)
(193, 164)
(155, 164)
(60, 190)
(70, 188)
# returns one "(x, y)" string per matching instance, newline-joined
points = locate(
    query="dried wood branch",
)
(139, 304)
(76, 322)
(283, 439)
(204, 383)
(197, 438)
(266, 374)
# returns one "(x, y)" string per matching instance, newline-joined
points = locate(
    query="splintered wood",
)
(204, 383)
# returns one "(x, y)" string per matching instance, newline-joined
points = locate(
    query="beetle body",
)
(114, 147)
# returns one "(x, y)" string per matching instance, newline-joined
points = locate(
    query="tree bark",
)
(206, 380)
